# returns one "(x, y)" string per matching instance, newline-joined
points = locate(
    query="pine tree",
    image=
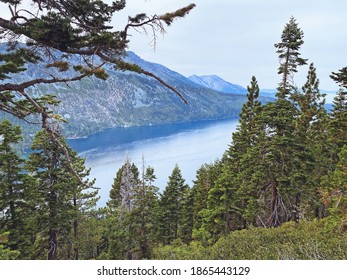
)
(340, 77)
(133, 209)
(334, 189)
(16, 192)
(278, 149)
(231, 196)
(6, 253)
(91, 228)
(122, 240)
(61, 197)
(242, 160)
(84, 198)
(187, 217)
(119, 231)
(144, 214)
(289, 55)
(312, 136)
(337, 125)
(206, 176)
(115, 195)
(171, 207)
(279, 159)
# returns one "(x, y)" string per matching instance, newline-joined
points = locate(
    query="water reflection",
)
(189, 145)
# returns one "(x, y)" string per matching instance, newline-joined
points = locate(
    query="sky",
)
(235, 38)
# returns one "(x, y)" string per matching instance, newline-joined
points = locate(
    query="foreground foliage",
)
(316, 240)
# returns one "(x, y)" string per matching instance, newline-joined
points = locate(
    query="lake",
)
(188, 144)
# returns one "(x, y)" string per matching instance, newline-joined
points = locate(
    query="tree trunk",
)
(52, 245)
(296, 210)
(75, 230)
(274, 220)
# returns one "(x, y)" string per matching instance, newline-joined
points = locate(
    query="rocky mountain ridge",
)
(130, 99)
(217, 83)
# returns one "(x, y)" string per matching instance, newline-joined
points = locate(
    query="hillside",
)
(129, 99)
(217, 83)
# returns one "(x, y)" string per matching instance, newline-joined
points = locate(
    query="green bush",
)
(180, 251)
(316, 240)
(6, 253)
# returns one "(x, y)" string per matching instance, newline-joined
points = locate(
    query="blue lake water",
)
(189, 145)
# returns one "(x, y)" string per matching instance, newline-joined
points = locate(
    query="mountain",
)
(129, 99)
(217, 83)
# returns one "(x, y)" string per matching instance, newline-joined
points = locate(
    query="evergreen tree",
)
(337, 125)
(334, 189)
(311, 133)
(278, 172)
(289, 55)
(16, 192)
(84, 198)
(278, 150)
(115, 195)
(144, 214)
(231, 197)
(206, 176)
(243, 160)
(149, 176)
(171, 207)
(88, 243)
(121, 239)
(131, 226)
(187, 219)
(61, 197)
(340, 77)
(6, 253)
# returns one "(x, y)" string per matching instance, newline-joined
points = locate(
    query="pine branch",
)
(108, 54)
(22, 86)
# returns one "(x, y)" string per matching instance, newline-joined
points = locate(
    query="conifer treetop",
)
(288, 53)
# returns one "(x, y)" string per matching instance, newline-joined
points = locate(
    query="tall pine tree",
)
(60, 197)
(289, 55)
(279, 146)
(120, 231)
(16, 192)
(171, 207)
(231, 197)
(311, 133)
(337, 123)
(133, 208)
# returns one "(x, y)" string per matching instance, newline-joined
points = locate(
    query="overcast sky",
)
(235, 38)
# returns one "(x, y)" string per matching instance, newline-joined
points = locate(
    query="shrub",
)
(315, 240)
